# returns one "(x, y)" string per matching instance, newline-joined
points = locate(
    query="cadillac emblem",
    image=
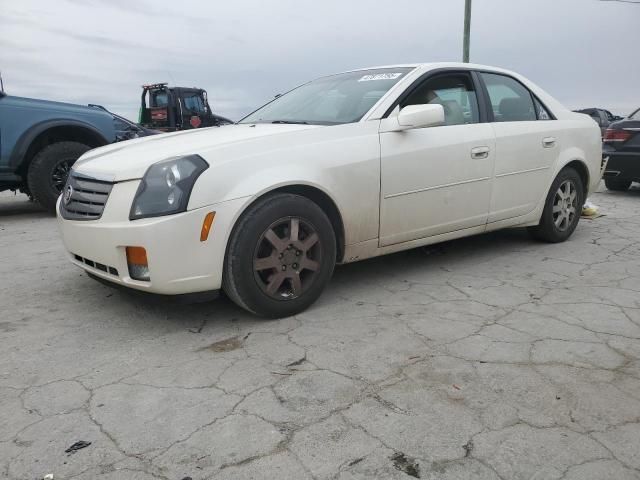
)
(68, 192)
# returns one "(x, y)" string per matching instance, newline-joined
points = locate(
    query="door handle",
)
(548, 142)
(479, 152)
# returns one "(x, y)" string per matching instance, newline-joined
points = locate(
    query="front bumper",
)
(179, 262)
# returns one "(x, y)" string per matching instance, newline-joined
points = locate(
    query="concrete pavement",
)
(493, 357)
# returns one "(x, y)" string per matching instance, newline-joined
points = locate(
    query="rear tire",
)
(280, 256)
(617, 185)
(49, 169)
(562, 208)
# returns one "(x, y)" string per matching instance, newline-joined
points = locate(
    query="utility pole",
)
(467, 30)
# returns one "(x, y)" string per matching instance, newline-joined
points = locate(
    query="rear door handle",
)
(479, 152)
(548, 142)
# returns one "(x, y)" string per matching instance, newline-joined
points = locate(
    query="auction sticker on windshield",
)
(380, 76)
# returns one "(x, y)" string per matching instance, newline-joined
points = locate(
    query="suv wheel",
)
(49, 170)
(562, 208)
(280, 256)
(617, 185)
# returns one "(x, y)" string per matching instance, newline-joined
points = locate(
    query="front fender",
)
(344, 167)
(29, 135)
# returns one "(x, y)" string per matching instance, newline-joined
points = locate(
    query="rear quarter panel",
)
(580, 140)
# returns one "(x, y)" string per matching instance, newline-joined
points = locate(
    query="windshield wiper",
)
(292, 122)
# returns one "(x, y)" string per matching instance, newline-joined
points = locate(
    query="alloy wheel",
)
(60, 174)
(287, 258)
(565, 205)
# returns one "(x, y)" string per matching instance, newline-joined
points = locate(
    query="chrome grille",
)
(84, 198)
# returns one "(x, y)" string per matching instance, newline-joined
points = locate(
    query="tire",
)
(49, 169)
(262, 274)
(617, 185)
(552, 228)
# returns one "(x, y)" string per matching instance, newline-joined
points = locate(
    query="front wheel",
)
(49, 170)
(280, 256)
(617, 185)
(562, 208)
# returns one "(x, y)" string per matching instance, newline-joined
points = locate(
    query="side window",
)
(454, 92)
(542, 112)
(510, 100)
(194, 103)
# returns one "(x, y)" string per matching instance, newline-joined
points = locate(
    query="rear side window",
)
(510, 100)
(542, 112)
(454, 92)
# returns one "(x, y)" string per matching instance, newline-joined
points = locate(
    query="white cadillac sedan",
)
(340, 169)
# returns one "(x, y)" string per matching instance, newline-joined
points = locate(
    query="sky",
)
(243, 52)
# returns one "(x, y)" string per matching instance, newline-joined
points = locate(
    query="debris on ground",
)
(48, 476)
(591, 210)
(77, 446)
(406, 464)
(468, 448)
(226, 345)
(298, 362)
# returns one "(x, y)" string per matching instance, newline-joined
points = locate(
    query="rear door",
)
(527, 146)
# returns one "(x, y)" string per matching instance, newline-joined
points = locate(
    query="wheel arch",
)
(582, 169)
(317, 196)
(49, 132)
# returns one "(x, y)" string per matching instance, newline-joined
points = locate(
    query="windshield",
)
(342, 98)
(635, 115)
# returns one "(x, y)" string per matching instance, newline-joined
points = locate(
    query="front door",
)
(436, 180)
(194, 110)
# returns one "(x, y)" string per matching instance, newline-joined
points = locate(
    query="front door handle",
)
(548, 142)
(479, 152)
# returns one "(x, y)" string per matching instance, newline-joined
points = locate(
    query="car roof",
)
(435, 65)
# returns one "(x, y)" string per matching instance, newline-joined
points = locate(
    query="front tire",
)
(280, 257)
(617, 185)
(562, 208)
(49, 170)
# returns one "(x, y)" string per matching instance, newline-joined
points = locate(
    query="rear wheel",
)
(49, 170)
(617, 185)
(280, 256)
(562, 208)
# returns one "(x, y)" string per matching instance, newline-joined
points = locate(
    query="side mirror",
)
(420, 116)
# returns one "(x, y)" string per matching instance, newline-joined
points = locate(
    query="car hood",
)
(130, 160)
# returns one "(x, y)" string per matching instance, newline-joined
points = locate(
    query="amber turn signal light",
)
(206, 226)
(137, 256)
(137, 262)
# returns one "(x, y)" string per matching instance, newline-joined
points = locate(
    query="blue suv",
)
(40, 140)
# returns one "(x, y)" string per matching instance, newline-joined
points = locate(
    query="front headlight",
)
(166, 187)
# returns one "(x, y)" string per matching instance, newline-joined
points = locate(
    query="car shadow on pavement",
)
(373, 273)
(12, 205)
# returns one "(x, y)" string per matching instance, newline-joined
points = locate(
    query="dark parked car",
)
(602, 117)
(40, 140)
(622, 146)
